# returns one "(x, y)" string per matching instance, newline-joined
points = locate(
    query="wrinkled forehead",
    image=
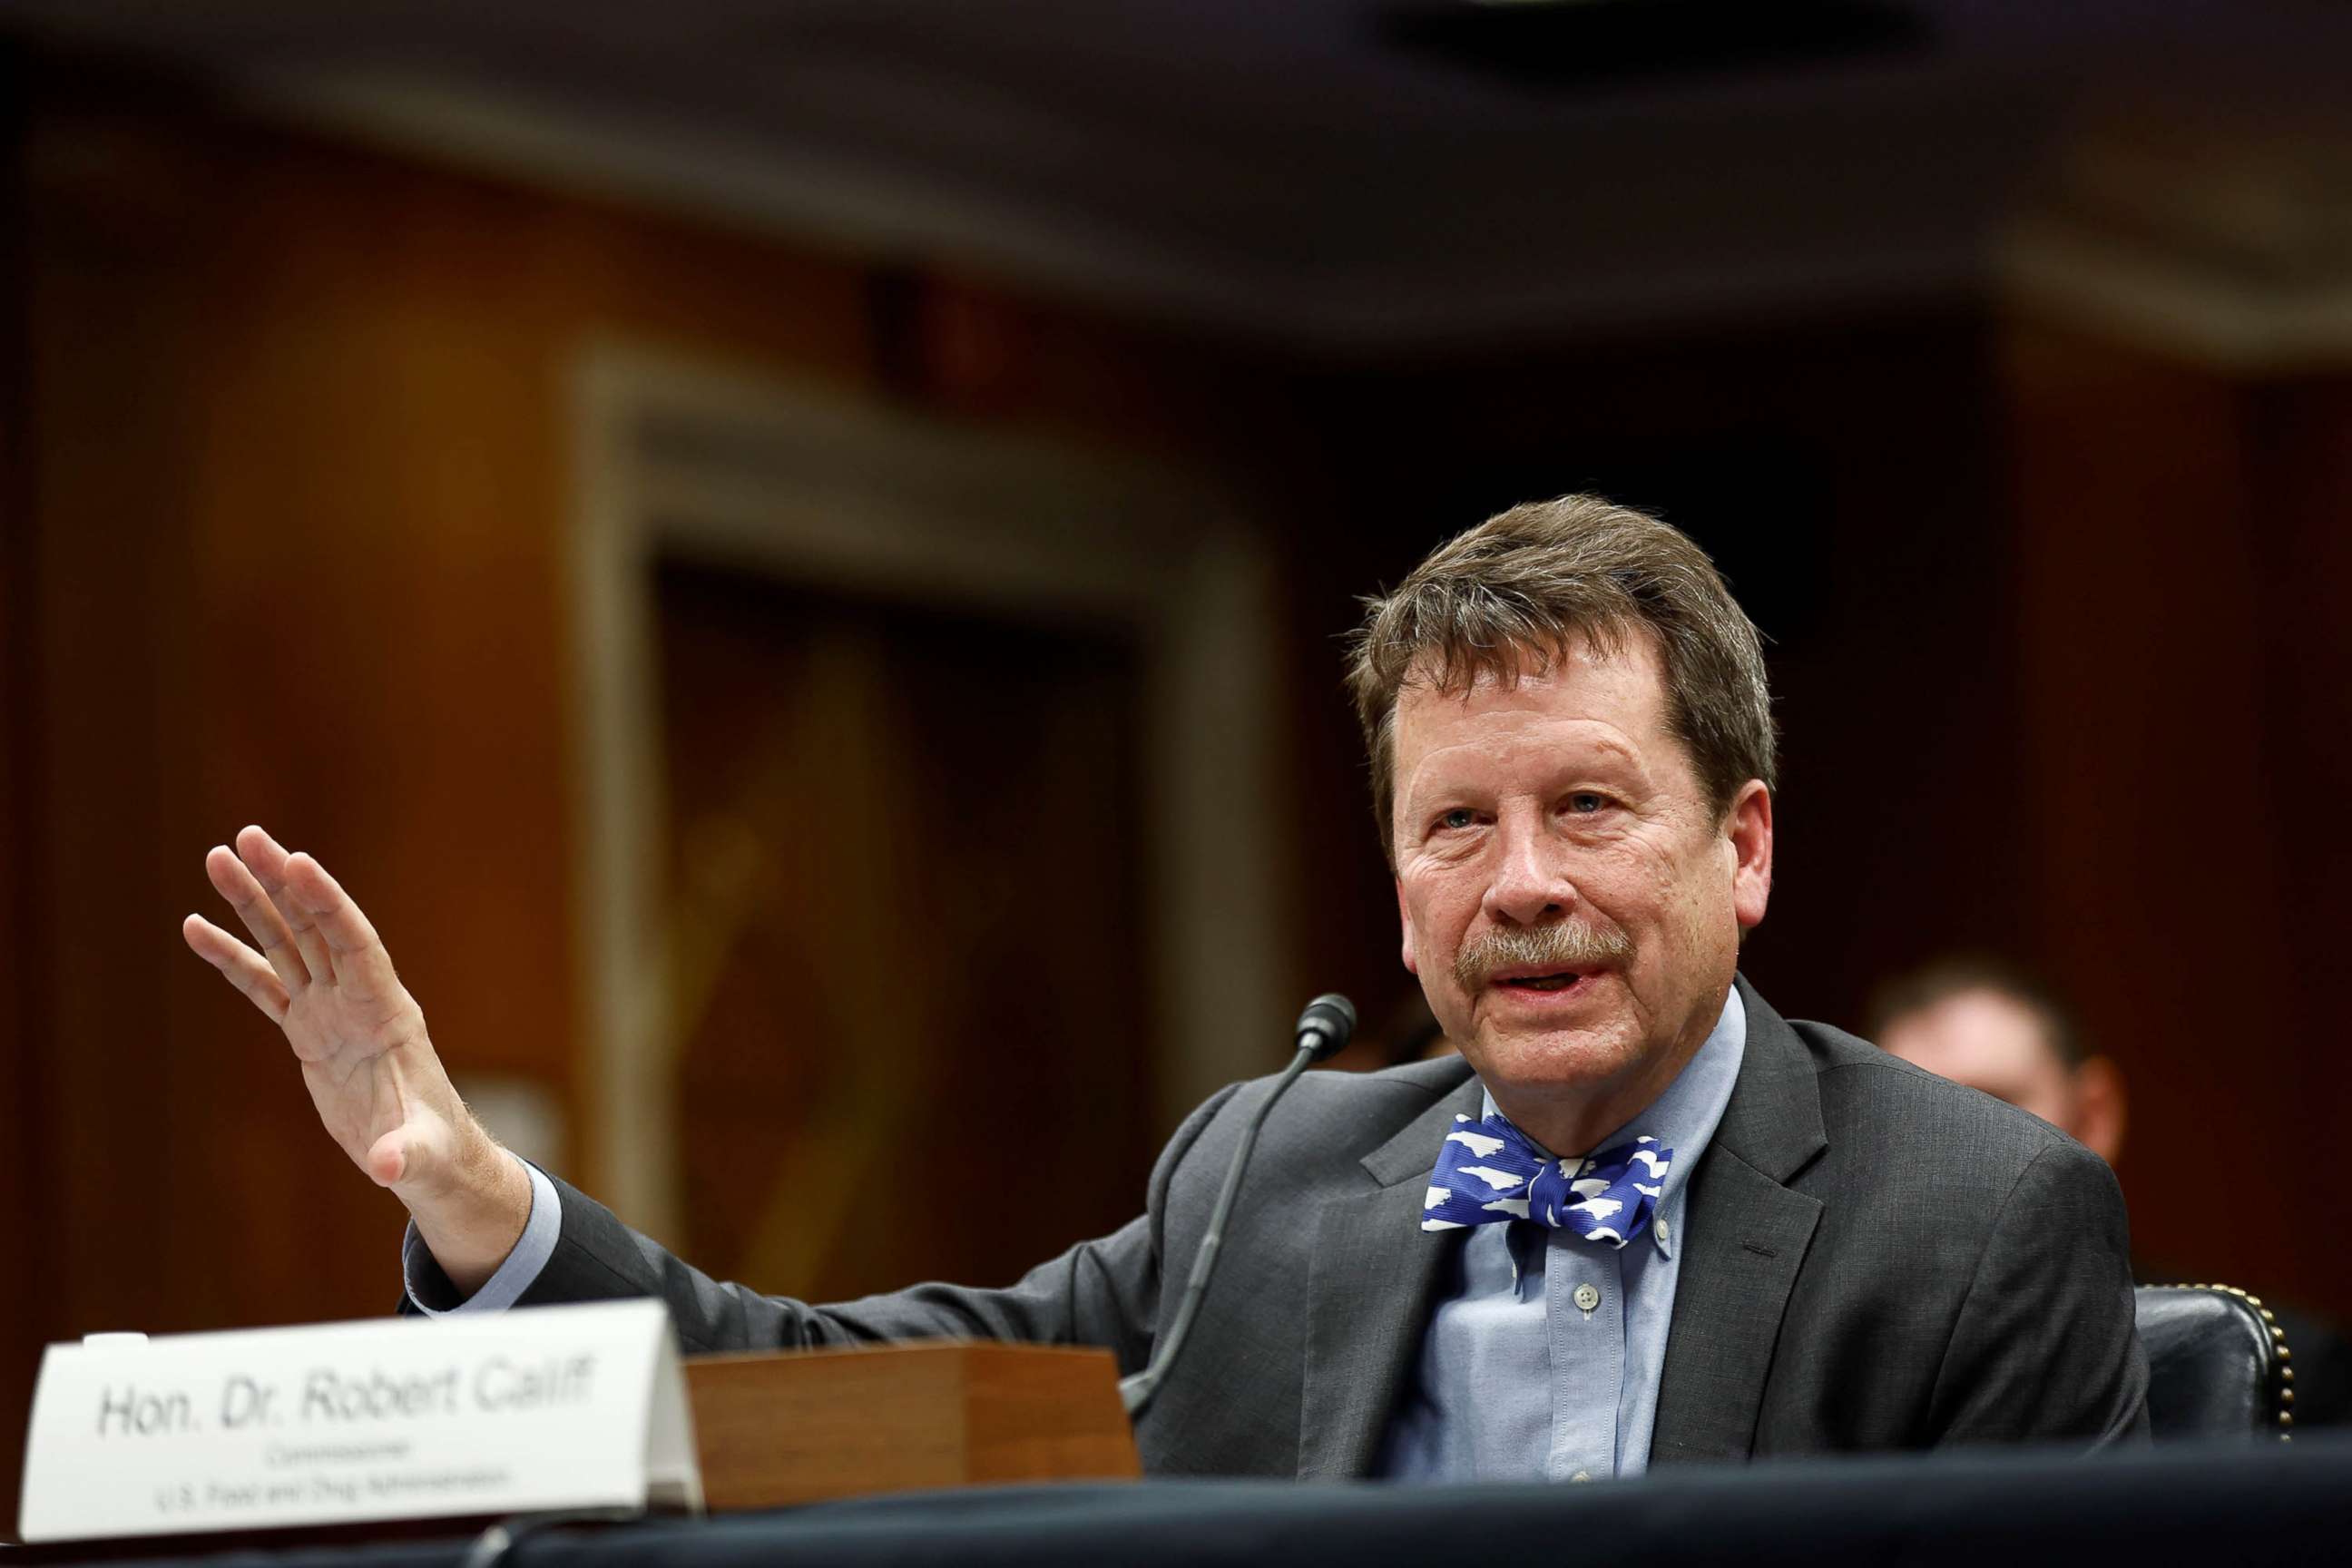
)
(1619, 682)
(1463, 669)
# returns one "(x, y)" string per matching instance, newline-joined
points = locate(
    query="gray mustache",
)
(1560, 945)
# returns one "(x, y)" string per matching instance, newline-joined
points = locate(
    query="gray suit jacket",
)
(1873, 1258)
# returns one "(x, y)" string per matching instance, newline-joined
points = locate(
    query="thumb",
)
(402, 1156)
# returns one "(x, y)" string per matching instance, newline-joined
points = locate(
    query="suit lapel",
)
(1372, 1275)
(1745, 1236)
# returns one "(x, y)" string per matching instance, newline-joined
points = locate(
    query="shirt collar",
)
(1684, 1116)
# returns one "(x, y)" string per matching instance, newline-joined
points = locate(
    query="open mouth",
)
(1559, 980)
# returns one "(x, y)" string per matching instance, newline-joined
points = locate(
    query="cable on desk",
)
(498, 1542)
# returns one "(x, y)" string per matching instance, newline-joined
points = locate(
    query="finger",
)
(242, 967)
(263, 853)
(232, 880)
(268, 859)
(357, 953)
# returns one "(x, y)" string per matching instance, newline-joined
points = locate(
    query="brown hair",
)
(1507, 597)
(1965, 973)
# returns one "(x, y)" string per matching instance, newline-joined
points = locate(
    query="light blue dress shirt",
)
(1516, 1380)
(530, 1253)
(1541, 1360)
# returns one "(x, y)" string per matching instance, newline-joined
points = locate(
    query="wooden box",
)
(780, 1428)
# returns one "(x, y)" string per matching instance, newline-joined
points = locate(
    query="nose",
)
(1528, 886)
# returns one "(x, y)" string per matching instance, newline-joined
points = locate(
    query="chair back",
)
(2218, 1365)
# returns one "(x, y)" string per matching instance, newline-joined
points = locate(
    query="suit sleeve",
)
(1103, 1292)
(2044, 1347)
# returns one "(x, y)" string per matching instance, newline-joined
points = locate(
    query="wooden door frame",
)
(681, 457)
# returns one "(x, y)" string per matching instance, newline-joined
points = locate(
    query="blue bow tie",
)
(1489, 1172)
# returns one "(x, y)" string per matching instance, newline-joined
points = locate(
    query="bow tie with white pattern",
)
(1489, 1172)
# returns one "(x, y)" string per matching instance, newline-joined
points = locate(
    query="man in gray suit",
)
(1640, 1219)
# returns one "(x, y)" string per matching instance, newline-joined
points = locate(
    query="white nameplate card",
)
(519, 1412)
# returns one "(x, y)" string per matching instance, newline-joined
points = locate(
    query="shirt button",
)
(1581, 1476)
(1660, 1231)
(1587, 1298)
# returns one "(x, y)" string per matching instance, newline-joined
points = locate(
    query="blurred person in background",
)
(1990, 1024)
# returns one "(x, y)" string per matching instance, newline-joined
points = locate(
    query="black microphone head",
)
(1326, 1025)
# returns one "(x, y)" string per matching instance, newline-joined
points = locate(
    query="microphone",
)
(1325, 1026)
(1322, 1031)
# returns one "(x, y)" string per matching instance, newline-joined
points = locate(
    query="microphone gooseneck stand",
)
(1323, 1029)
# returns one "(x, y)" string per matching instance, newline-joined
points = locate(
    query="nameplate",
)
(517, 1411)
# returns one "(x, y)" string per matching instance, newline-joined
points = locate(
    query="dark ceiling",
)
(1339, 170)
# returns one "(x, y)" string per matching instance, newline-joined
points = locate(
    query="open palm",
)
(322, 975)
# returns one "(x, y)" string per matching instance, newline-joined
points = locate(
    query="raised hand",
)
(322, 975)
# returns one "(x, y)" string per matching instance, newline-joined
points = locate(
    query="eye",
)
(1460, 817)
(1584, 802)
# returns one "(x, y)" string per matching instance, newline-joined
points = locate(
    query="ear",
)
(1404, 918)
(2099, 1108)
(1748, 826)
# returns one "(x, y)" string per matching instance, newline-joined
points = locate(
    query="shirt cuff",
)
(429, 1290)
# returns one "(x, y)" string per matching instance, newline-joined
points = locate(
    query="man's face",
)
(1991, 1042)
(1571, 903)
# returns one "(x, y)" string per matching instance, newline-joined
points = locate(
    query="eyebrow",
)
(1606, 760)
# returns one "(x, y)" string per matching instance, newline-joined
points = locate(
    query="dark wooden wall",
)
(2184, 601)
